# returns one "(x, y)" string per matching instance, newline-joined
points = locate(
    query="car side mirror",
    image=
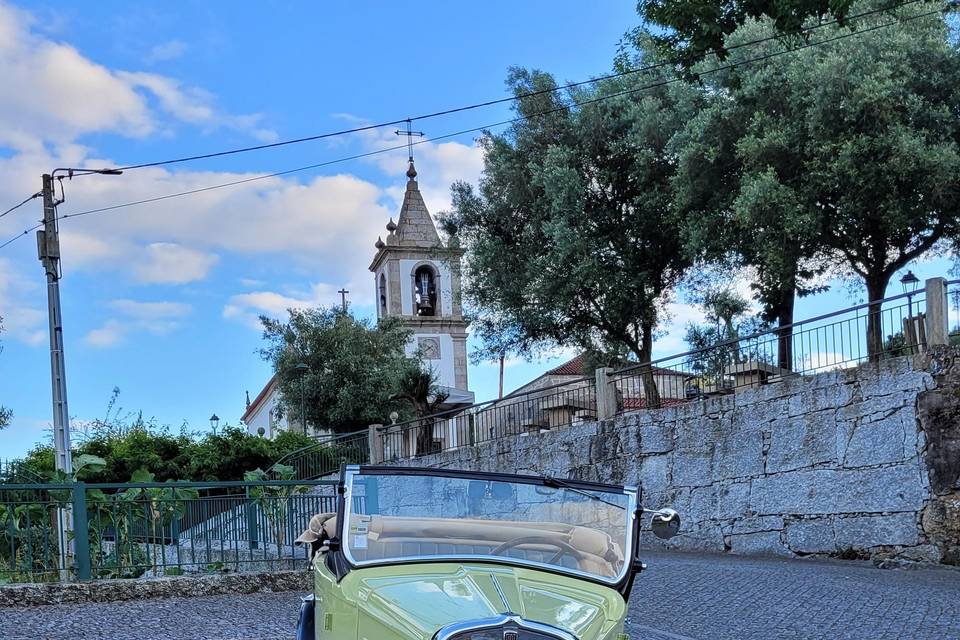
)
(665, 524)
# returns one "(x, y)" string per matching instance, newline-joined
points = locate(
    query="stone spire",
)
(415, 227)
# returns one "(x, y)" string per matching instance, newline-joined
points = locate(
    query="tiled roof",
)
(572, 367)
(575, 367)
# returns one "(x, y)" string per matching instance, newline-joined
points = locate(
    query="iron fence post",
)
(253, 535)
(81, 531)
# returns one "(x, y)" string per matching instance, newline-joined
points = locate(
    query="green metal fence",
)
(78, 531)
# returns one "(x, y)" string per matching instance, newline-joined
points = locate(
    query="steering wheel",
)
(563, 548)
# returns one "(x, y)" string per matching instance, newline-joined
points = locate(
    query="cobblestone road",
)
(680, 597)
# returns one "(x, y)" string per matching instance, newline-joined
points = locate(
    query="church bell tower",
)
(417, 279)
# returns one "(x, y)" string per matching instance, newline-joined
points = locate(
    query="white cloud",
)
(108, 335)
(248, 307)
(165, 51)
(22, 321)
(157, 318)
(167, 262)
(53, 93)
(148, 311)
(439, 164)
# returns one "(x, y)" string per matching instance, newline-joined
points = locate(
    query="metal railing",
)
(324, 457)
(529, 412)
(834, 340)
(152, 529)
(831, 341)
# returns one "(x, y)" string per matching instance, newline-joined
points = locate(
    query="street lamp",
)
(302, 368)
(214, 423)
(909, 282)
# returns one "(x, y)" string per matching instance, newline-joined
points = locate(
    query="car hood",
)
(411, 602)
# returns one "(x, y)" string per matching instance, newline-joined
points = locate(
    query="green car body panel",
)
(414, 601)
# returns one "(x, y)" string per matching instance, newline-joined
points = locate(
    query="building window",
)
(425, 291)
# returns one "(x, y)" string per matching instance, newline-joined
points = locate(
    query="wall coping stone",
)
(48, 593)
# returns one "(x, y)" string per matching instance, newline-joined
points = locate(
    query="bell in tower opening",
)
(425, 292)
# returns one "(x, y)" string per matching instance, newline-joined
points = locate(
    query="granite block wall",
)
(862, 462)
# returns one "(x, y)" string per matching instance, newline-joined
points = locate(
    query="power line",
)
(489, 103)
(531, 116)
(21, 234)
(17, 206)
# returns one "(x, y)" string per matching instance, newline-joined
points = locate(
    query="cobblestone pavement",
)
(679, 597)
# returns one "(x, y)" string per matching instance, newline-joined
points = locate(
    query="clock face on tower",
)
(429, 347)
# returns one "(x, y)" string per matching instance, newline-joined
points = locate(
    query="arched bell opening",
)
(382, 295)
(425, 298)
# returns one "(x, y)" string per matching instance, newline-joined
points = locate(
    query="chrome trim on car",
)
(503, 597)
(629, 514)
(451, 630)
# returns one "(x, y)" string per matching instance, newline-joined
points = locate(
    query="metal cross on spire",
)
(410, 133)
(343, 298)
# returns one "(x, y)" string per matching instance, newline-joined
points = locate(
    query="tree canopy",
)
(571, 236)
(692, 29)
(838, 158)
(354, 368)
(835, 159)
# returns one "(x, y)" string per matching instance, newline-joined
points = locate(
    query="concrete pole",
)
(606, 392)
(48, 245)
(937, 312)
(375, 442)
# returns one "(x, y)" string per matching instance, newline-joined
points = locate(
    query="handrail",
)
(478, 405)
(318, 444)
(773, 330)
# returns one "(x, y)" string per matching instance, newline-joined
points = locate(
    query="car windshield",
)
(403, 516)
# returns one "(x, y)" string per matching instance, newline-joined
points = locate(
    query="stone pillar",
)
(375, 441)
(606, 392)
(937, 320)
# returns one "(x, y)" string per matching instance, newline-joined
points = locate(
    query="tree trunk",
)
(425, 437)
(876, 288)
(650, 392)
(785, 320)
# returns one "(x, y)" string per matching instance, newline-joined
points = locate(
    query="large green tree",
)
(692, 29)
(572, 234)
(353, 372)
(841, 155)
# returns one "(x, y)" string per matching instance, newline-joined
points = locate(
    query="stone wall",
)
(861, 462)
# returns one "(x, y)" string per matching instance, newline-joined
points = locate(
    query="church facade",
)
(417, 279)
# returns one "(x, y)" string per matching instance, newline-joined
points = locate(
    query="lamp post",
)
(214, 423)
(909, 282)
(302, 368)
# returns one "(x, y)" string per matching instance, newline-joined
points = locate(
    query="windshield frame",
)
(631, 513)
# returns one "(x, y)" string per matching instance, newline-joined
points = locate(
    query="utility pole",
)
(48, 248)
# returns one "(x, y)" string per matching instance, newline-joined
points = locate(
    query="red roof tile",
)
(259, 399)
(575, 367)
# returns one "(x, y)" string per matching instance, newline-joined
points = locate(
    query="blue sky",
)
(160, 300)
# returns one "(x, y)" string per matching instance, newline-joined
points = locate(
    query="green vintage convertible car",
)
(428, 554)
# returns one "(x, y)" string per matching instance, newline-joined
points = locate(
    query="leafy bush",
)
(226, 455)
